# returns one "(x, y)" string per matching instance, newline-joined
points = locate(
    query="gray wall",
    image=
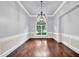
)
(12, 19)
(70, 22)
(50, 24)
(65, 8)
(32, 24)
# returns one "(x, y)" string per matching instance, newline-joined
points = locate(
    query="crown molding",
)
(21, 5)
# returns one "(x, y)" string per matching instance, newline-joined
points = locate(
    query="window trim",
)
(41, 28)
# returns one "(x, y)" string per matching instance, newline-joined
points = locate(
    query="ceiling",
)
(34, 7)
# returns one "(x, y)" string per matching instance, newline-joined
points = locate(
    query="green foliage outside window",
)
(41, 28)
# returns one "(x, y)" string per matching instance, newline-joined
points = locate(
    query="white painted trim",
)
(71, 47)
(46, 16)
(56, 37)
(13, 48)
(21, 5)
(10, 37)
(71, 36)
(48, 36)
(33, 35)
(25, 38)
(58, 9)
(67, 35)
(70, 10)
(61, 5)
(65, 43)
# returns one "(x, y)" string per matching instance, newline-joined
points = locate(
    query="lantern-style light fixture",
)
(41, 16)
(41, 22)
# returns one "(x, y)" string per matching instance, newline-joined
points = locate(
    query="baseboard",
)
(70, 38)
(71, 47)
(56, 36)
(33, 35)
(10, 37)
(49, 35)
(6, 53)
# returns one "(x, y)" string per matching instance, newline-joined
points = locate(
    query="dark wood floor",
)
(43, 47)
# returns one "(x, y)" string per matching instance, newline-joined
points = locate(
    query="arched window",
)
(41, 25)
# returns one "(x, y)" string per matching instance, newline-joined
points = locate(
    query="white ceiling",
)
(33, 7)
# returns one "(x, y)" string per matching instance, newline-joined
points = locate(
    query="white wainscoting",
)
(34, 35)
(70, 41)
(9, 44)
(49, 35)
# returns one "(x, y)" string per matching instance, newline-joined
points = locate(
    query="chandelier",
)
(41, 16)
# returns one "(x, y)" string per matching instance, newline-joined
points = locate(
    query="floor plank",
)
(43, 47)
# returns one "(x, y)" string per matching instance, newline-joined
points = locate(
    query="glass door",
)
(41, 28)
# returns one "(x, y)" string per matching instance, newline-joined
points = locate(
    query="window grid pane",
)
(41, 28)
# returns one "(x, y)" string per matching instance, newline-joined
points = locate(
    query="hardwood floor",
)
(43, 47)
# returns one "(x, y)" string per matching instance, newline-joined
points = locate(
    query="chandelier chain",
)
(41, 8)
